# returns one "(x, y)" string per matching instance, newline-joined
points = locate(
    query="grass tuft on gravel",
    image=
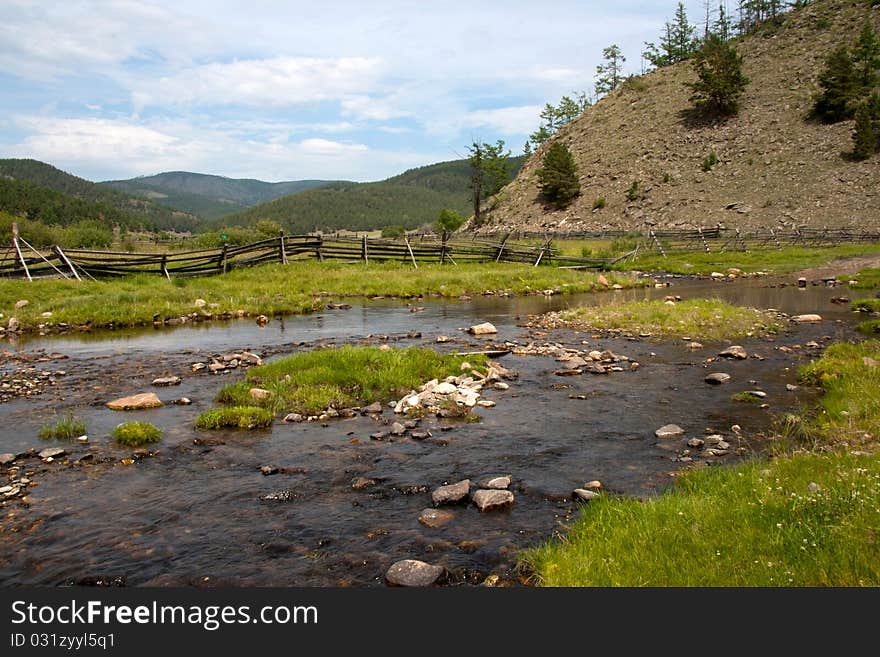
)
(136, 434)
(235, 417)
(699, 319)
(66, 428)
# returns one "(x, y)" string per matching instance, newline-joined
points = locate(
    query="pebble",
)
(584, 494)
(6, 458)
(501, 482)
(359, 483)
(52, 453)
(411, 572)
(269, 470)
(167, 381)
(293, 417)
(717, 378)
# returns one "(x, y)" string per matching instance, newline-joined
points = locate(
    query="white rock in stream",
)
(411, 572)
(669, 431)
(482, 329)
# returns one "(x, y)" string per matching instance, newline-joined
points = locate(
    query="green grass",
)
(804, 518)
(773, 260)
(870, 327)
(66, 428)
(868, 279)
(755, 524)
(276, 289)
(344, 377)
(850, 377)
(708, 319)
(235, 417)
(747, 398)
(866, 305)
(136, 434)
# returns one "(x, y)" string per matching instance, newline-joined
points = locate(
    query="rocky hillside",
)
(775, 168)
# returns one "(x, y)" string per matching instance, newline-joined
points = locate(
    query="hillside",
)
(208, 196)
(410, 199)
(40, 191)
(775, 168)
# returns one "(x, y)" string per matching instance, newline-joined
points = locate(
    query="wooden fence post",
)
(365, 256)
(281, 252)
(18, 250)
(223, 260)
(406, 239)
(61, 255)
(164, 268)
(318, 248)
(443, 237)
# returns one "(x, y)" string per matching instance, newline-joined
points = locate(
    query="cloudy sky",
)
(294, 90)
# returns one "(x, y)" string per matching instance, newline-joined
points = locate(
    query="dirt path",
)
(841, 266)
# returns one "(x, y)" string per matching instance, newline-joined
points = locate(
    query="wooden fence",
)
(21, 260)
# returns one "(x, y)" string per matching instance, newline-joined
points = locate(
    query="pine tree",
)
(678, 41)
(863, 136)
(720, 80)
(610, 74)
(866, 58)
(722, 26)
(554, 117)
(839, 84)
(557, 177)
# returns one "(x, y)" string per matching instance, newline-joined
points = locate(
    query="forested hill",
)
(42, 192)
(410, 199)
(208, 196)
(645, 159)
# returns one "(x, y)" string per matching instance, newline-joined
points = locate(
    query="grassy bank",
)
(804, 519)
(699, 319)
(274, 289)
(867, 279)
(777, 261)
(344, 377)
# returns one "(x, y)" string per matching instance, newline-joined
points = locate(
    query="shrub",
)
(709, 161)
(449, 221)
(135, 434)
(633, 193)
(599, 203)
(557, 177)
(393, 231)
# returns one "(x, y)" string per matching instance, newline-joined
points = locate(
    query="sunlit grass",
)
(66, 428)
(707, 319)
(344, 377)
(136, 434)
(299, 287)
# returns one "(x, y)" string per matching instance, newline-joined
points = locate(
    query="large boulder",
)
(135, 402)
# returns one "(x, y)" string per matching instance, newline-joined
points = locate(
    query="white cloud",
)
(506, 120)
(278, 82)
(100, 149)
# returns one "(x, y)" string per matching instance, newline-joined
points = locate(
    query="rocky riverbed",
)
(340, 500)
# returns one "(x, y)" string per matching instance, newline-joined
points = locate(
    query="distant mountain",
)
(41, 191)
(410, 199)
(208, 196)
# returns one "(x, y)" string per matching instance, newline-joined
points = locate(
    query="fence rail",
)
(21, 260)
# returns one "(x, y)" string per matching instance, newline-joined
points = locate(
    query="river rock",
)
(755, 393)
(359, 483)
(734, 351)
(489, 500)
(167, 381)
(293, 417)
(135, 402)
(451, 494)
(500, 385)
(717, 378)
(482, 329)
(669, 431)
(585, 495)
(52, 453)
(410, 572)
(7, 458)
(262, 320)
(269, 470)
(435, 518)
(694, 345)
(373, 409)
(13, 324)
(397, 429)
(21, 303)
(807, 318)
(444, 388)
(500, 482)
(259, 394)
(200, 303)
(696, 443)
(592, 485)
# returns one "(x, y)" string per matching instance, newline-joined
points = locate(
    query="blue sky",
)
(295, 90)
